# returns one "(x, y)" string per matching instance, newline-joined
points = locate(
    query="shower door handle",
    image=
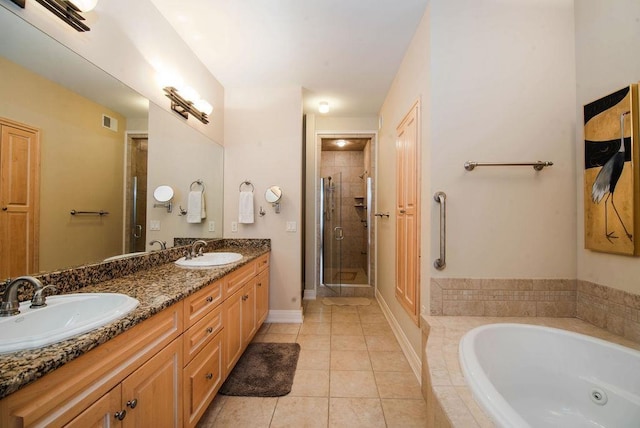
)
(138, 229)
(338, 233)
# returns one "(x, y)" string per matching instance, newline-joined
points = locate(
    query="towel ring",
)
(247, 183)
(198, 182)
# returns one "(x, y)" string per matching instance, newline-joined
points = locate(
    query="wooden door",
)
(408, 212)
(248, 312)
(152, 395)
(19, 199)
(232, 331)
(101, 414)
(262, 297)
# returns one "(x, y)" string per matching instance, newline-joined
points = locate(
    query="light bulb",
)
(188, 93)
(203, 106)
(85, 5)
(323, 107)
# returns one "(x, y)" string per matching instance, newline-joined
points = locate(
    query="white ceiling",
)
(343, 51)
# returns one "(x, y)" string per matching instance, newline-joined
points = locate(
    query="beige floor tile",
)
(398, 385)
(348, 343)
(317, 317)
(301, 412)
(373, 308)
(284, 328)
(314, 341)
(345, 309)
(346, 329)
(249, 412)
(382, 343)
(389, 361)
(313, 359)
(353, 384)
(209, 416)
(310, 383)
(263, 328)
(373, 318)
(376, 329)
(355, 413)
(405, 413)
(316, 306)
(278, 338)
(345, 317)
(350, 360)
(321, 328)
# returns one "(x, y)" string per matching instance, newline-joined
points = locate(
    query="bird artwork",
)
(610, 187)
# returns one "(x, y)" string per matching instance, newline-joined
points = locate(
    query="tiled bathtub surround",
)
(613, 310)
(503, 297)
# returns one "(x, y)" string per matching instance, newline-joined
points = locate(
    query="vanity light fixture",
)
(66, 10)
(200, 109)
(323, 107)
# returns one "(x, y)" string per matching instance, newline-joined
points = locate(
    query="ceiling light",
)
(323, 107)
(341, 143)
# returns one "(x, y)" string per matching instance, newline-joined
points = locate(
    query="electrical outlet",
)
(234, 226)
(154, 225)
(423, 310)
(212, 226)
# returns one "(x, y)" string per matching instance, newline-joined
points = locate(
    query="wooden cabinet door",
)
(262, 298)
(248, 312)
(232, 330)
(152, 395)
(19, 199)
(408, 213)
(101, 414)
(203, 377)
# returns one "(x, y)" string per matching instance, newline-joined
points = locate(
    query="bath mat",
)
(346, 301)
(264, 370)
(344, 276)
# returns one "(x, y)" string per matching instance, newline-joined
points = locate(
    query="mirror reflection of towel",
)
(245, 208)
(195, 207)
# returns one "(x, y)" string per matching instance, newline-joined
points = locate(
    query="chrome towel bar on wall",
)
(538, 165)
(441, 198)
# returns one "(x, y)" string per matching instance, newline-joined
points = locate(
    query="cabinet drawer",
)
(202, 302)
(236, 279)
(262, 262)
(202, 379)
(201, 333)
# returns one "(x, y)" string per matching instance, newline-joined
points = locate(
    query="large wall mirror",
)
(98, 152)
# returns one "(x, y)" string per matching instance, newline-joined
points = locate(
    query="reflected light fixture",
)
(198, 108)
(66, 10)
(341, 143)
(323, 107)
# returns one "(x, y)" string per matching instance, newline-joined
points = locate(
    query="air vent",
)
(110, 123)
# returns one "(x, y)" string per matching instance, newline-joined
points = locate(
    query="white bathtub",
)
(531, 376)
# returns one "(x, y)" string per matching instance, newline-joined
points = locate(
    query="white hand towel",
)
(194, 207)
(203, 212)
(245, 208)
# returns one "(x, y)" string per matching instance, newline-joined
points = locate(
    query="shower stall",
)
(345, 228)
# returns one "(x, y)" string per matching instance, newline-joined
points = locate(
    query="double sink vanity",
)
(159, 365)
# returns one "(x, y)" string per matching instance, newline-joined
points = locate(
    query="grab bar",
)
(538, 165)
(100, 213)
(441, 198)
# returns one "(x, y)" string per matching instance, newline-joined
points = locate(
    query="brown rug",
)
(264, 370)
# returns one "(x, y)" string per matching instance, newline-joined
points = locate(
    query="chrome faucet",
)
(163, 244)
(196, 247)
(10, 304)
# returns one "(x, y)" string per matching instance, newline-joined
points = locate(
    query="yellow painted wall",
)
(81, 167)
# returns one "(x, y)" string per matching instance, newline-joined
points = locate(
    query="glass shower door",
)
(331, 231)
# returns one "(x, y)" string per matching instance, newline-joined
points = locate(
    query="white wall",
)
(503, 89)
(263, 135)
(607, 40)
(410, 84)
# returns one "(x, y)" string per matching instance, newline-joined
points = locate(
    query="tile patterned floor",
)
(351, 373)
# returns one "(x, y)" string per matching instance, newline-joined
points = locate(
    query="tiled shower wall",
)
(614, 310)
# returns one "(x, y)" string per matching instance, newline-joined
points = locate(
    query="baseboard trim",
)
(285, 317)
(309, 295)
(414, 359)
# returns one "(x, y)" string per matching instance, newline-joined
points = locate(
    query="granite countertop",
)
(155, 288)
(448, 383)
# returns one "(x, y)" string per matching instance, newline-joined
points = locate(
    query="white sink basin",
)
(64, 316)
(209, 260)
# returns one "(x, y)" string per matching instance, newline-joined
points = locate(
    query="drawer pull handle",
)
(245, 297)
(120, 415)
(209, 376)
(209, 299)
(209, 330)
(259, 284)
(133, 403)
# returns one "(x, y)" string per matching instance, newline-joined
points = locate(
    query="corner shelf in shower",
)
(359, 202)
